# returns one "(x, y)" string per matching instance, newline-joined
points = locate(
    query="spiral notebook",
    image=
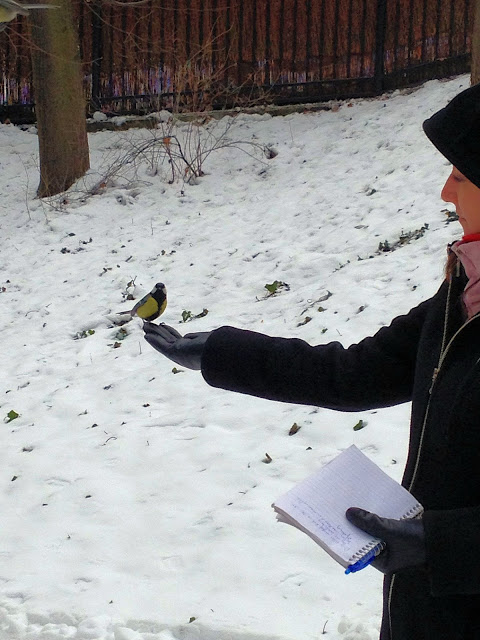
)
(317, 506)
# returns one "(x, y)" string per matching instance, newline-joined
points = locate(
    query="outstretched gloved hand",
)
(184, 350)
(404, 539)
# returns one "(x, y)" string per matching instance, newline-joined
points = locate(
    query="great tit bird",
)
(152, 305)
(9, 9)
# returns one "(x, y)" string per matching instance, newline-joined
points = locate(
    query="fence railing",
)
(224, 52)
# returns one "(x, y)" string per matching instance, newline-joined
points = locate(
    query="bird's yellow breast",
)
(148, 308)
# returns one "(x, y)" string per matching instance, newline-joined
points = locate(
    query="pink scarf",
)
(468, 252)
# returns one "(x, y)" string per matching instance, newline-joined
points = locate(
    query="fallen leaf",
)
(295, 428)
(360, 425)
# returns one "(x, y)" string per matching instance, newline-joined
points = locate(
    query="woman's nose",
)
(448, 191)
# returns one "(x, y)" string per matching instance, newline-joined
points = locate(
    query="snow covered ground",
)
(136, 502)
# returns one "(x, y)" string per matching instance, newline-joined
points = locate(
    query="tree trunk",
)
(475, 72)
(59, 98)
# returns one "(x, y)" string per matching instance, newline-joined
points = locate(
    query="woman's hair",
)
(450, 265)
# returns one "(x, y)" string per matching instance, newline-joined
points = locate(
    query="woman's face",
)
(466, 197)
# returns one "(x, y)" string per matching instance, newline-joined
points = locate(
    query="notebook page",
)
(318, 504)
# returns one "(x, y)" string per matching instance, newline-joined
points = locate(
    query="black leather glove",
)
(404, 539)
(184, 350)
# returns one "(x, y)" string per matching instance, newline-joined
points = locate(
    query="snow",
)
(135, 502)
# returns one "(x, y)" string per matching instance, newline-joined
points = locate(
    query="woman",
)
(430, 356)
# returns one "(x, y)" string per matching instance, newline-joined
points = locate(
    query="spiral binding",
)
(414, 512)
(371, 546)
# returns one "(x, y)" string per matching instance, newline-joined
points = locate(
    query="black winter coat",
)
(430, 356)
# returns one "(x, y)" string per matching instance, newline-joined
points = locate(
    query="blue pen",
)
(367, 559)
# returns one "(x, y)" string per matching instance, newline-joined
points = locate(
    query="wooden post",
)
(475, 69)
(97, 51)
(380, 45)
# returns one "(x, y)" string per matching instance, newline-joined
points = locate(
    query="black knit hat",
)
(455, 131)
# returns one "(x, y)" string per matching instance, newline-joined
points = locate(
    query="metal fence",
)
(217, 53)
